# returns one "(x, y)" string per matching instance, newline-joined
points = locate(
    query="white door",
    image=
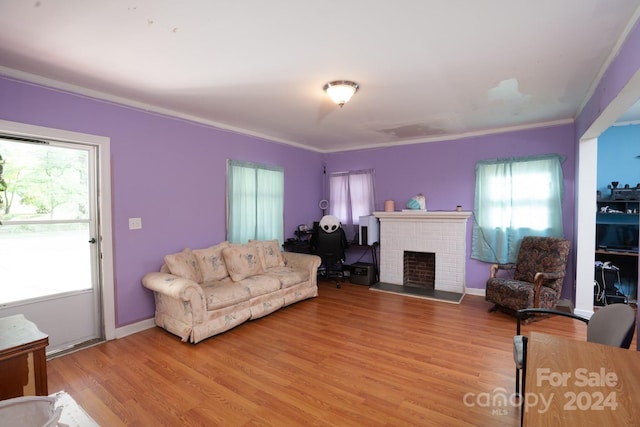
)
(49, 251)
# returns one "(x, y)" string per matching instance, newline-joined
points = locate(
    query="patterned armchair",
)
(537, 276)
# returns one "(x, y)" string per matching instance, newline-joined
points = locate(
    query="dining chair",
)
(612, 325)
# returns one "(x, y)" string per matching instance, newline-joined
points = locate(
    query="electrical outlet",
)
(135, 223)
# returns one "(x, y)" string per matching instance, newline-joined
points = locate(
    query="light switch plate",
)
(135, 223)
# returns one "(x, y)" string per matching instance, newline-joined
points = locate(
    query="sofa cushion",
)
(288, 276)
(184, 264)
(270, 254)
(242, 261)
(211, 262)
(260, 284)
(224, 293)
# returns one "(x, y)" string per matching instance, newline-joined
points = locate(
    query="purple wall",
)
(172, 173)
(169, 172)
(445, 173)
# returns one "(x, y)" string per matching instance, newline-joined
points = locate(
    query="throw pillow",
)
(270, 252)
(211, 262)
(242, 261)
(184, 264)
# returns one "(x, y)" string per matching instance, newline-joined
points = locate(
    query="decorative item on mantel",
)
(417, 203)
(389, 205)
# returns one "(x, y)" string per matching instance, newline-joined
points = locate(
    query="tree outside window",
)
(42, 182)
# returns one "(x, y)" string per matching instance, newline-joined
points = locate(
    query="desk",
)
(298, 246)
(23, 362)
(583, 384)
(616, 253)
(304, 247)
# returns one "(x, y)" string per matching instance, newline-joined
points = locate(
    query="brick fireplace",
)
(443, 234)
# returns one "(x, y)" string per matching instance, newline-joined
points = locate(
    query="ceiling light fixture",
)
(341, 91)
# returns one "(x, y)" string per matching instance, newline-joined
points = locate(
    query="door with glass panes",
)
(48, 238)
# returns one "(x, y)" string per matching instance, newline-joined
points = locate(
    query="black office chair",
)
(329, 242)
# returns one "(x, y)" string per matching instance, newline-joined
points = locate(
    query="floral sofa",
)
(203, 292)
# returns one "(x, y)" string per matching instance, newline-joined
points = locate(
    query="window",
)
(515, 198)
(255, 202)
(351, 195)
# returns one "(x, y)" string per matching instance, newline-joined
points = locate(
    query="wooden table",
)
(576, 383)
(23, 362)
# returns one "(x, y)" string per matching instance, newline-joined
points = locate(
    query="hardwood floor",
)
(351, 357)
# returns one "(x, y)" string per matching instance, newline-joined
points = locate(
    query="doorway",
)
(52, 235)
(586, 197)
(617, 218)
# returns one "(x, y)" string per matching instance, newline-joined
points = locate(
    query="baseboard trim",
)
(583, 313)
(475, 291)
(134, 328)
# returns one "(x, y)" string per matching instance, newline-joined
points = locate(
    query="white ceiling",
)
(427, 69)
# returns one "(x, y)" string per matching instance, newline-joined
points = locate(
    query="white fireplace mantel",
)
(441, 232)
(416, 215)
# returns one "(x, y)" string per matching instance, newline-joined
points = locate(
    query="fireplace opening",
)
(419, 269)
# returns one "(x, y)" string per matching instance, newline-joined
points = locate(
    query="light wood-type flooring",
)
(350, 357)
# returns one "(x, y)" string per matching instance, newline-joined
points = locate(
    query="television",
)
(617, 233)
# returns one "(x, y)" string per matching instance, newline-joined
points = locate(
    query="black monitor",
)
(617, 237)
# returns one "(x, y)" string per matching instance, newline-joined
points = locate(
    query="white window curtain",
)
(351, 195)
(255, 202)
(515, 198)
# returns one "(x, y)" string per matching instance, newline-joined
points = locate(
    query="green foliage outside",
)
(3, 184)
(42, 182)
